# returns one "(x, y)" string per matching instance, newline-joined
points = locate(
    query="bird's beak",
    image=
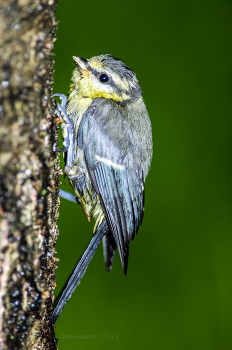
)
(81, 64)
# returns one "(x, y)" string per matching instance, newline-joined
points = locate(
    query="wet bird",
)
(108, 143)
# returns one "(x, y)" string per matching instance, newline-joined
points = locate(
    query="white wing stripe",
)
(110, 163)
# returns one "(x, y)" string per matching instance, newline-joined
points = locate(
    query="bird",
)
(107, 138)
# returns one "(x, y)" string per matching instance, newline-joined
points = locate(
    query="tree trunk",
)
(29, 174)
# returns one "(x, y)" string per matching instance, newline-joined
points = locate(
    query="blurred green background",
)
(178, 291)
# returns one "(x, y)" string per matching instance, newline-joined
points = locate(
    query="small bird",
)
(108, 143)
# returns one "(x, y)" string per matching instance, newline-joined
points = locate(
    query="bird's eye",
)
(103, 78)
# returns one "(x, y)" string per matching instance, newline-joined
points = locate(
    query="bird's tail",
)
(78, 272)
(109, 247)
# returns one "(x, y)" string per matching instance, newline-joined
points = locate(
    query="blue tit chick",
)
(108, 138)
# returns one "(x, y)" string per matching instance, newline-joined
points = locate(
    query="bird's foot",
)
(67, 128)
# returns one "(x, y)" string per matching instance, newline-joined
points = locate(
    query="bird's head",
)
(105, 76)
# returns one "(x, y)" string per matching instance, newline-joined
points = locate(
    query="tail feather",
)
(109, 247)
(78, 272)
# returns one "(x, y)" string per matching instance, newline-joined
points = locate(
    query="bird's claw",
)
(67, 128)
(63, 99)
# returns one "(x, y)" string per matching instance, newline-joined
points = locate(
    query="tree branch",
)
(29, 174)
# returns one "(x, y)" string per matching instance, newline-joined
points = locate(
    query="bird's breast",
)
(77, 106)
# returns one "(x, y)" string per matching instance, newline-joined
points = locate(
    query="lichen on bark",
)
(29, 174)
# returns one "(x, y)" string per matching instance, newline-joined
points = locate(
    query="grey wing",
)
(106, 137)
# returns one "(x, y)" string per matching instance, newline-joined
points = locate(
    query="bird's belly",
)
(85, 192)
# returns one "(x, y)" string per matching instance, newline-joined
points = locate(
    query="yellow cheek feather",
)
(93, 93)
(86, 87)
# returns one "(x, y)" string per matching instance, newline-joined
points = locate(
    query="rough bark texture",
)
(29, 174)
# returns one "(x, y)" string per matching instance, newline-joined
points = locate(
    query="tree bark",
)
(29, 174)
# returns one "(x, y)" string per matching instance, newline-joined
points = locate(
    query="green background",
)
(178, 290)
